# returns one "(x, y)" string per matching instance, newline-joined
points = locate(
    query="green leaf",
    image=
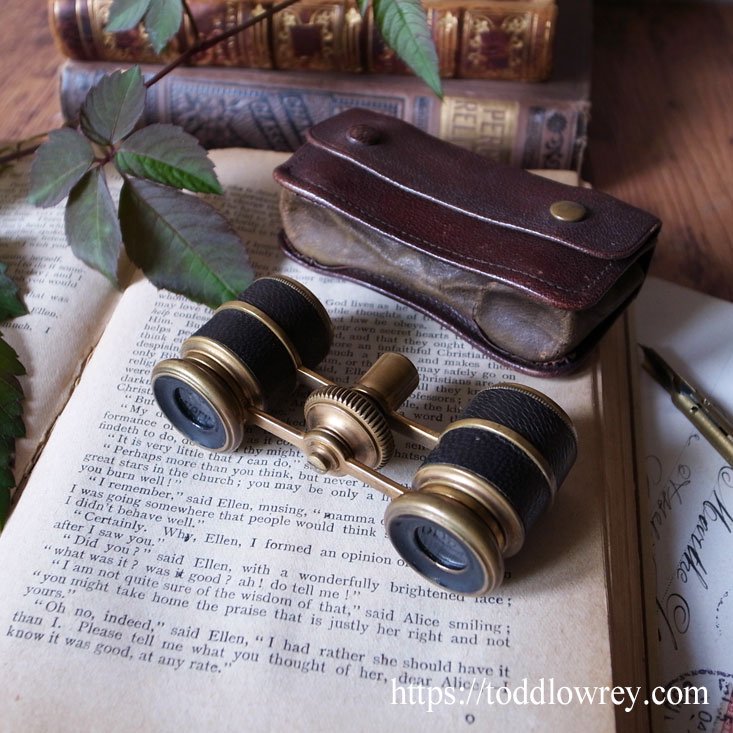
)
(182, 243)
(11, 426)
(404, 26)
(11, 423)
(10, 367)
(8, 378)
(11, 304)
(7, 481)
(363, 6)
(162, 21)
(58, 165)
(92, 228)
(125, 14)
(113, 106)
(166, 154)
(9, 364)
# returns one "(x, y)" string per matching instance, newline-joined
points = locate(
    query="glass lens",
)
(441, 547)
(195, 408)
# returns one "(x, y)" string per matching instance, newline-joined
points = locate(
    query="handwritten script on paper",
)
(690, 498)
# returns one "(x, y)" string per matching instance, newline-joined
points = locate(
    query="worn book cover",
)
(483, 39)
(529, 125)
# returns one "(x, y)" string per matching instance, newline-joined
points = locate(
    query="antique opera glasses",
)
(486, 479)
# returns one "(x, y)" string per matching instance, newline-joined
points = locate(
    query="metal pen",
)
(714, 425)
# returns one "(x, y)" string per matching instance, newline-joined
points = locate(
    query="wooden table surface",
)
(661, 133)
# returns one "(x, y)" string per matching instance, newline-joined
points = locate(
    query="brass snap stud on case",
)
(568, 211)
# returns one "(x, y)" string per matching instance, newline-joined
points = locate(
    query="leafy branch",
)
(402, 23)
(198, 255)
(179, 240)
(11, 393)
(11, 152)
(202, 46)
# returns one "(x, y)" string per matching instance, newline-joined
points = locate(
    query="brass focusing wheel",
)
(344, 424)
(353, 423)
(487, 477)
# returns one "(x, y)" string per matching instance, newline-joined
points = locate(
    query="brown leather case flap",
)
(453, 205)
(478, 246)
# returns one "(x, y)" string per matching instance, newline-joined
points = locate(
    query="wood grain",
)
(661, 134)
(662, 130)
(29, 62)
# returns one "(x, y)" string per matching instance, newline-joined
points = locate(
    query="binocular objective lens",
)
(444, 541)
(194, 408)
(190, 412)
(441, 547)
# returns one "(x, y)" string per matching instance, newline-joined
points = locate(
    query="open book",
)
(150, 585)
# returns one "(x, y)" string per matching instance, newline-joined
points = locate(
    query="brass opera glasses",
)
(486, 479)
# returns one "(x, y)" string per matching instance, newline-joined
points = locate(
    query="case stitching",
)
(399, 231)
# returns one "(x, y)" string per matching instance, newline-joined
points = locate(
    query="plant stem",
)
(202, 46)
(19, 151)
(18, 154)
(191, 19)
(198, 47)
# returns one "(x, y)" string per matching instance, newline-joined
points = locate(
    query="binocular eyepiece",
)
(485, 480)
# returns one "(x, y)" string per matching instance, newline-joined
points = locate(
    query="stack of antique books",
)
(515, 73)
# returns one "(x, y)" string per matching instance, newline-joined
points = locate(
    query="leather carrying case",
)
(530, 271)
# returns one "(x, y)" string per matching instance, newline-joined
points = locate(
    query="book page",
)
(68, 305)
(156, 586)
(690, 497)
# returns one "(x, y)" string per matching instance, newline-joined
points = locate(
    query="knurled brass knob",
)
(342, 424)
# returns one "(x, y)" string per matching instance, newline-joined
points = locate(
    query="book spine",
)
(492, 39)
(273, 110)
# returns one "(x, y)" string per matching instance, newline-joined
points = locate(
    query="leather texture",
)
(500, 462)
(467, 241)
(534, 420)
(257, 347)
(295, 314)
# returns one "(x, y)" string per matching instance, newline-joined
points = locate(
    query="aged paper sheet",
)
(68, 303)
(690, 494)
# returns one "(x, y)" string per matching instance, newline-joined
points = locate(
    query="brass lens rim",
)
(456, 494)
(209, 387)
(458, 521)
(434, 477)
(228, 366)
